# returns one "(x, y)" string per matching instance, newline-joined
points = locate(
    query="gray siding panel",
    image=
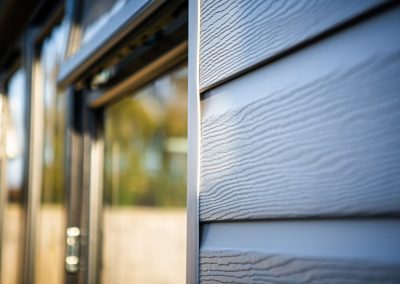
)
(238, 34)
(314, 134)
(225, 266)
(315, 251)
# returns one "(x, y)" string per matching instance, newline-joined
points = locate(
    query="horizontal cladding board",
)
(317, 251)
(252, 267)
(236, 35)
(314, 134)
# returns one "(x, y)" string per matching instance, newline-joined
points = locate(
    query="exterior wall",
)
(236, 35)
(300, 118)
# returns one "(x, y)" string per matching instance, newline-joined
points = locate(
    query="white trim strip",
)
(193, 174)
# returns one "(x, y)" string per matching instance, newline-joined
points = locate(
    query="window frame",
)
(83, 61)
(119, 25)
(34, 35)
(96, 102)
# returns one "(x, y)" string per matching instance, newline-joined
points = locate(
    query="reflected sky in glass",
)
(16, 137)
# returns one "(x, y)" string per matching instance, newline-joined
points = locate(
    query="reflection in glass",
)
(13, 217)
(97, 14)
(49, 263)
(144, 225)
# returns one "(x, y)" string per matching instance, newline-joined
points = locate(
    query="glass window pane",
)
(50, 251)
(97, 14)
(145, 184)
(13, 218)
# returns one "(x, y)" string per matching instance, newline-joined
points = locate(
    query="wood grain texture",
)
(235, 266)
(322, 139)
(238, 34)
(301, 251)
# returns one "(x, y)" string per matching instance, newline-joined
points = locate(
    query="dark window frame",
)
(84, 62)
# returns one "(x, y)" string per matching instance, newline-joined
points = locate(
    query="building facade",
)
(204, 141)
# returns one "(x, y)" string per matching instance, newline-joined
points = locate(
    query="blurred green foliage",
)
(145, 150)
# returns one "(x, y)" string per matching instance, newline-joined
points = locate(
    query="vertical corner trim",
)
(193, 174)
